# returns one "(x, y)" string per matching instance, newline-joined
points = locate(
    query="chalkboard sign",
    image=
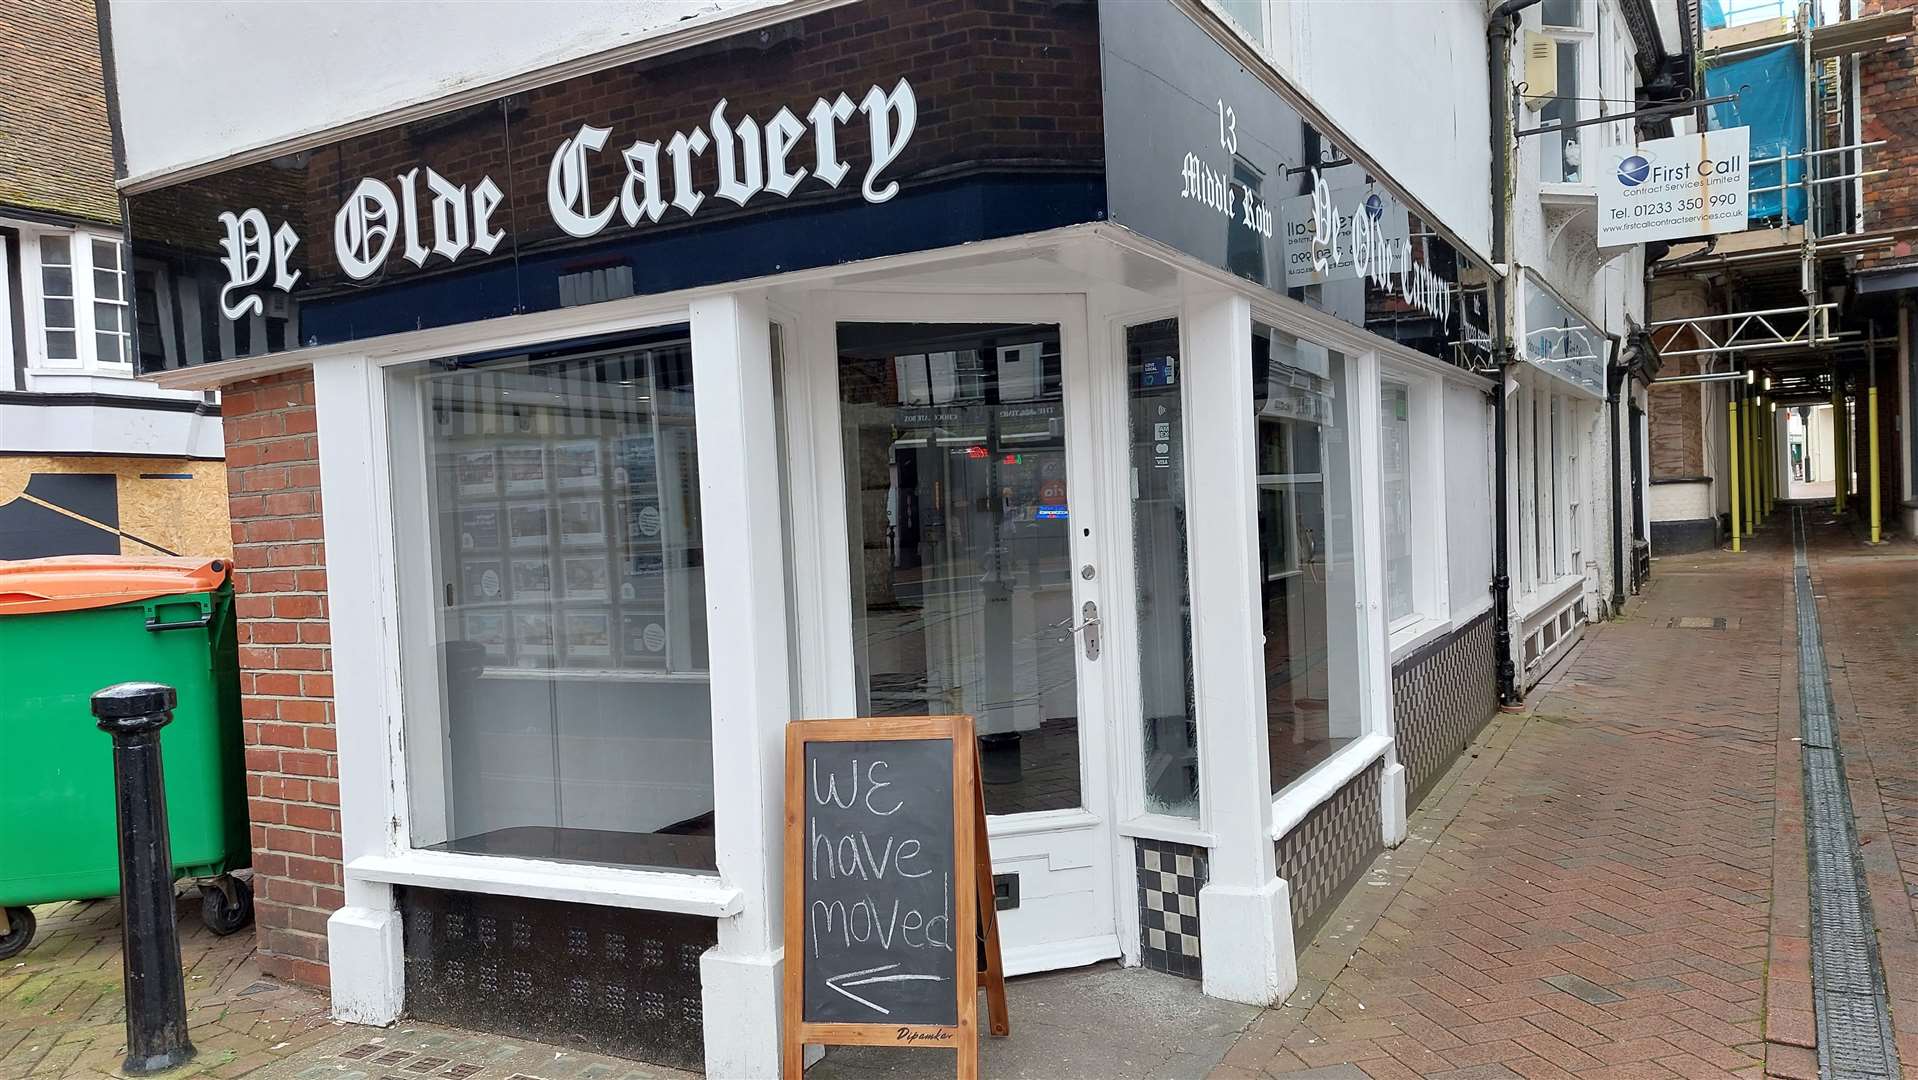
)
(889, 916)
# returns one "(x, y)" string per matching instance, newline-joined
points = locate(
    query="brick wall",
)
(273, 480)
(1888, 105)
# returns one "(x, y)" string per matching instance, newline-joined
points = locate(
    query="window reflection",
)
(1306, 565)
(1171, 748)
(570, 709)
(959, 529)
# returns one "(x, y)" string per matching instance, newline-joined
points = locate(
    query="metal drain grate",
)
(1702, 622)
(1854, 1019)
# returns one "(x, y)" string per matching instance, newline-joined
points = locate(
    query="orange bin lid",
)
(78, 582)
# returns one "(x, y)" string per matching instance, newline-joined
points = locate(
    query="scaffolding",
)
(1786, 349)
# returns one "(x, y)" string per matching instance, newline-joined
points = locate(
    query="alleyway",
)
(1613, 884)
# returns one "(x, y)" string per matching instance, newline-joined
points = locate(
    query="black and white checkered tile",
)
(1324, 854)
(1441, 696)
(1170, 877)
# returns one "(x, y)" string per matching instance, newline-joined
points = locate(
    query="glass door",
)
(975, 591)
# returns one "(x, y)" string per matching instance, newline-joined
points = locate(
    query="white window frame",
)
(1425, 395)
(1363, 356)
(85, 360)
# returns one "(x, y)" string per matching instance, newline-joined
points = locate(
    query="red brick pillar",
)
(286, 682)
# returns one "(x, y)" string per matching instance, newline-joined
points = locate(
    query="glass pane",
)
(61, 345)
(1159, 569)
(106, 349)
(107, 317)
(960, 547)
(56, 281)
(1559, 12)
(1560, 152)
(59, 314)
(570, 714)
(1249, 14)
(1395, 494)
(106, 285)
(56, 250)
(1307, 573)
(106, 254)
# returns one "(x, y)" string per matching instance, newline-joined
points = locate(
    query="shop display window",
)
(1307, 566)
(1164, 596)
(552, 598)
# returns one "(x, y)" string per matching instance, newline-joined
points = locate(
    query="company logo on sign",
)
(1634, 170)
(1374, 206)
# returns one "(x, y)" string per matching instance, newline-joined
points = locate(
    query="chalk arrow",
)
(874, 975)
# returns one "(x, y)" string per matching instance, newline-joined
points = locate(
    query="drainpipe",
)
(1614, 380)
(1498, 65)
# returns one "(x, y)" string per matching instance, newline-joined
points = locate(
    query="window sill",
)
(1414, 634)
(1302, 796)
(1170, 829)
(1562, 193)
(650, 890)
(1548, 597)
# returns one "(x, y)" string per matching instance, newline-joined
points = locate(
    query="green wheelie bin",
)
(70, 626)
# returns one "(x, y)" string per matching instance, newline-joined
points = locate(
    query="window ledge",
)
(1549, 596)
(1302, 796)
(1564, 194)
(1170, 829)
(1414, 635)
(651, 890)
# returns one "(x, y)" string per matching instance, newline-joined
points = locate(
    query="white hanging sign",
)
(1668, 189)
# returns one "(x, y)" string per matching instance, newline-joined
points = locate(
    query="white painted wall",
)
(263, 72)
(1433, 135)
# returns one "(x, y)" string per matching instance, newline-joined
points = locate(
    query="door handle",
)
(1088, 625)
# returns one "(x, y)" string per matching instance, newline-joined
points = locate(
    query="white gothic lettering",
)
(752, 158)
(248, 249)
(373, 217)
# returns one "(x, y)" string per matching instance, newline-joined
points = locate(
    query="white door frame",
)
(824, 588)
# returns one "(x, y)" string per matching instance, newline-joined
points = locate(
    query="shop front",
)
(885, 361)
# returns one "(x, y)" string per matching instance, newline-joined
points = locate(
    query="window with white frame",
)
(1396, 517)
(1307, 554)
(553, 603)
(1568, 35)
(82, 302)
(1248, 14)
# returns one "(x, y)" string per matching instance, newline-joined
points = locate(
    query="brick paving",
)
(61, 1013)
(1868, 609)
(61, 1016)
(1589, 892)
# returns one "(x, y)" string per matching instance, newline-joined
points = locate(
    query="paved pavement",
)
(61, 1013)
(1609, 885)
(1589, 893)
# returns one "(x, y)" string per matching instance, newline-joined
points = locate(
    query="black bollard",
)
(133, 713)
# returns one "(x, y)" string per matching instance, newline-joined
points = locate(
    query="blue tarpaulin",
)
(1771, 101)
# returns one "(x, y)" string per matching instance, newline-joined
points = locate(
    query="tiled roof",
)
(56, 148)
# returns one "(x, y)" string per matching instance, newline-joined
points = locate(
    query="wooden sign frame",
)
(975, 916)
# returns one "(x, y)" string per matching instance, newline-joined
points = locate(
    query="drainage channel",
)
(1848, 982)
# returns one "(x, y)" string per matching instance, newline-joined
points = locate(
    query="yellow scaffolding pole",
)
(1731, 460)
(1751, 470)
(1871, 439)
